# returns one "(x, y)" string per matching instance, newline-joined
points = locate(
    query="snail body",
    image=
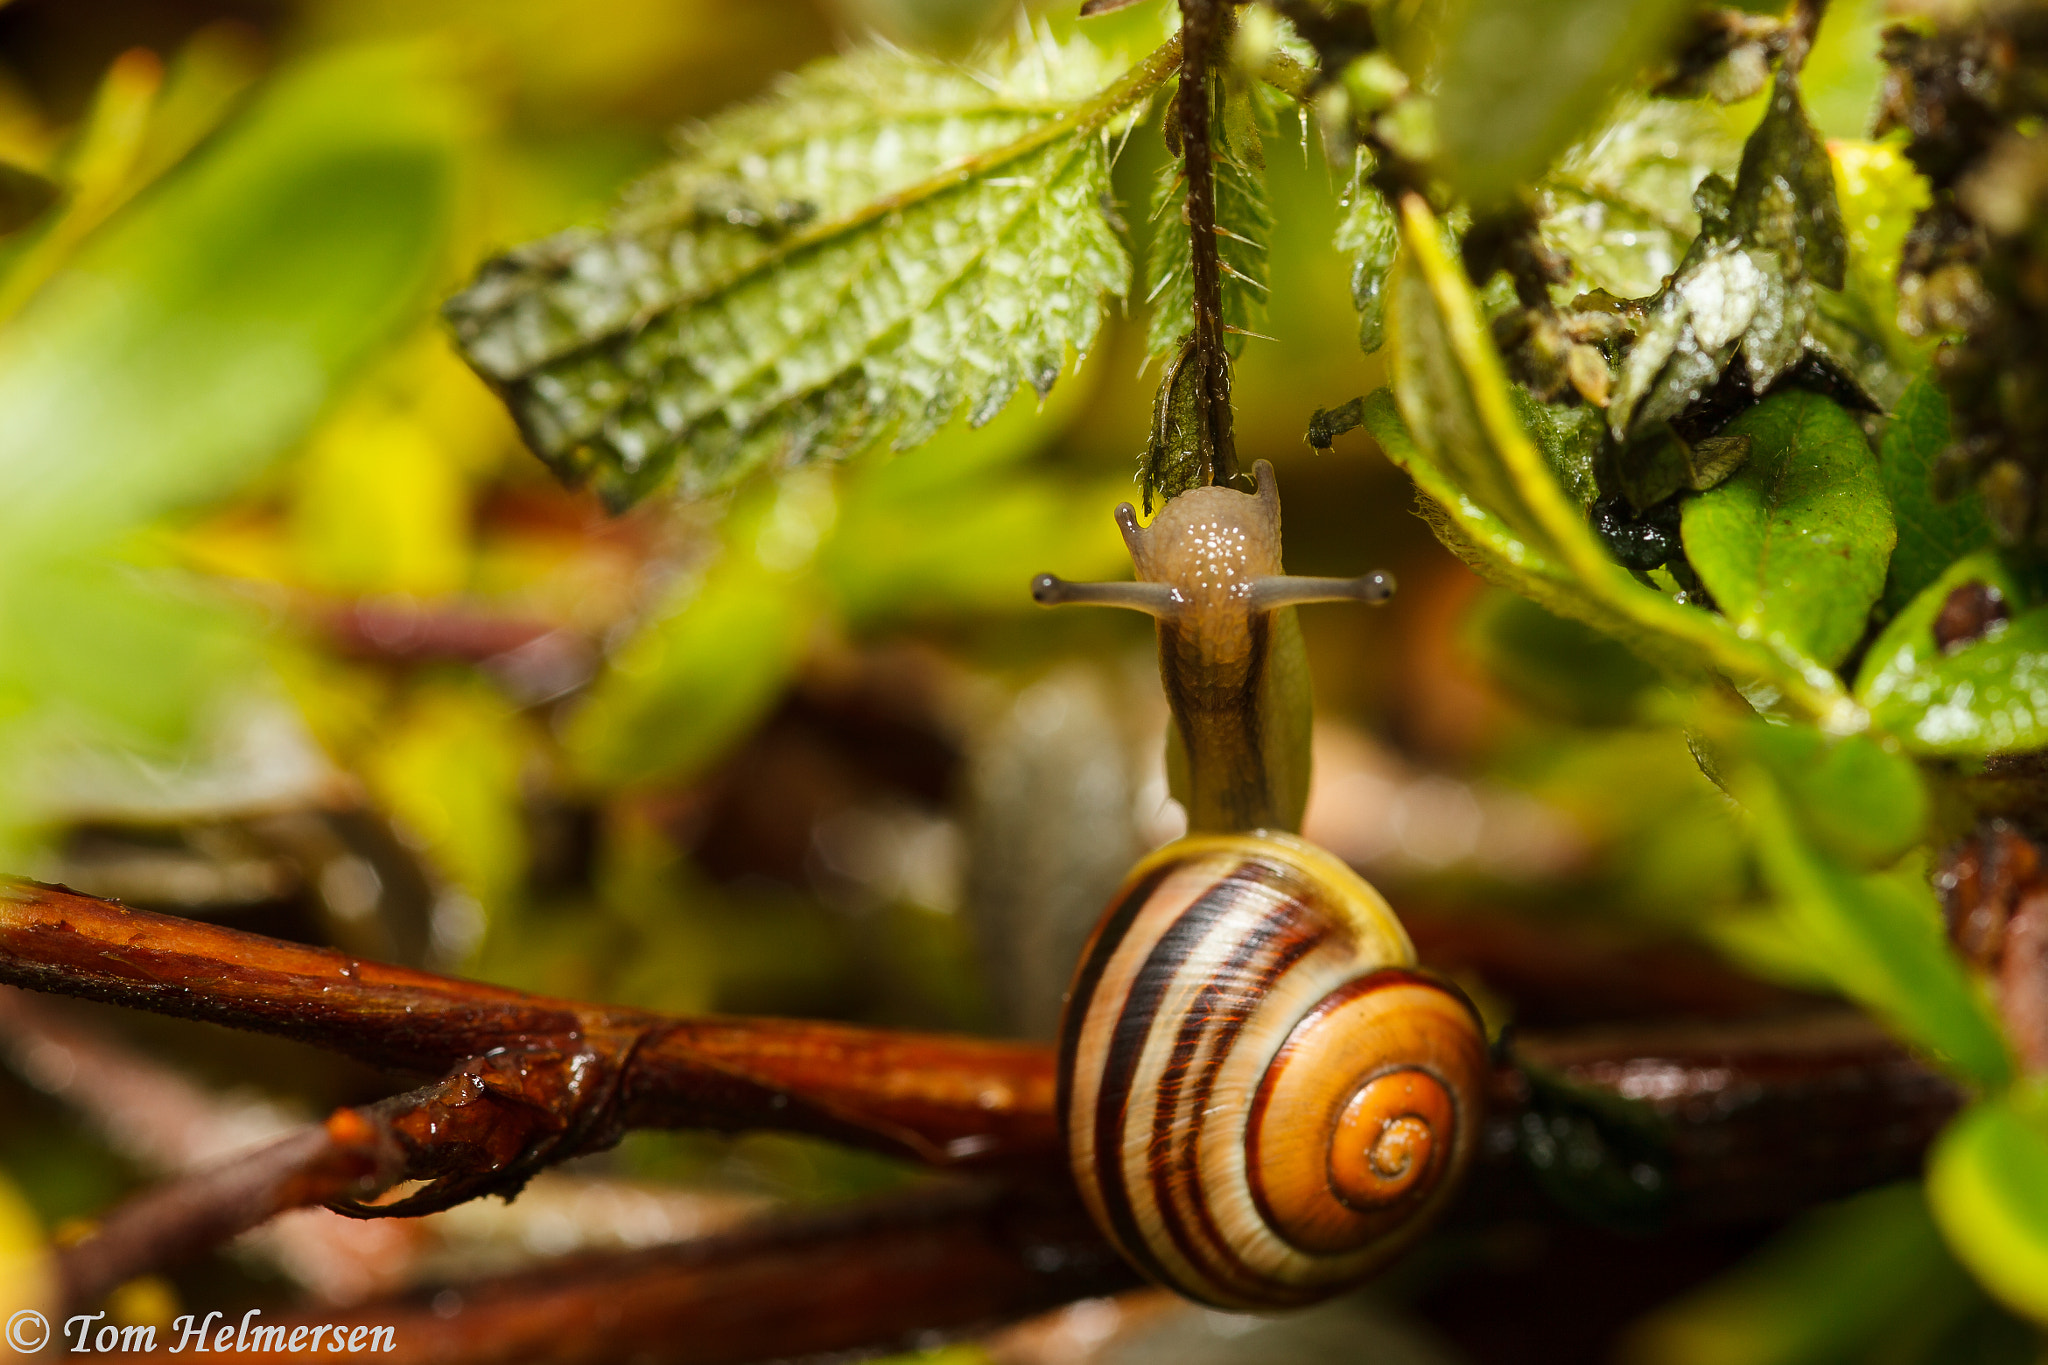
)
(1264, 1099)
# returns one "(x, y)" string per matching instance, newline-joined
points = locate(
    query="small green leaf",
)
(1793, 548)
(1879, 938)
(884, 242)
(1988, 697)
(1932, 534)
(1521, 78)
(1858, 804)
(1371, 237)
(1747, 283)
(1987, 1180)
(1244, 233)
(1621, 198)
(1558, 666)
(1785, 191)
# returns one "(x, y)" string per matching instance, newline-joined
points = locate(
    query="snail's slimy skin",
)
(1263, 1100)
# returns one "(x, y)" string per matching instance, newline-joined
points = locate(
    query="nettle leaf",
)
(1520, 78)
(1244, 229)
(1987, 1181)
(1619, 204)
(1794, 546)
(1980, 696)
(1879, 938)
(1371, 236)
(1747, 282)
(884, 241)
(1932, 534)
(1858, 803)
(1496, 499)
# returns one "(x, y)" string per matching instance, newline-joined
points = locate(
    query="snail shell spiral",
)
(1263, 1100)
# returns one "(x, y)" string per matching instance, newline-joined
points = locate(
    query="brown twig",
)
(1806, 17)
(1201, 27)
(940, 1100)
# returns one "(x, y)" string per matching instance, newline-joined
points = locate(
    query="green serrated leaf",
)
(1370, 236)
(885, 241)
(1880, 939)
(1620, 200)
(1793, 548)
(1987, 1180)
(1988, 696)
(1932, 534)
(1521, 78)
(1244, 231)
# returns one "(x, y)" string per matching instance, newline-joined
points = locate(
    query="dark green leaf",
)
(1621, 199)
(1932, 534)
(1879, 938)
(1244, 232)
(1606, 1159)
(1785, 191)
(1176, 454)
(1987, 1181)
(884, 242)
(1521, 78)
(1557, 666)
(1371, 237)
(1793, 547)
(1859, 805)
(1747, 282)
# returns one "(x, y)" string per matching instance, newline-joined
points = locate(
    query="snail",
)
(1263, 1099)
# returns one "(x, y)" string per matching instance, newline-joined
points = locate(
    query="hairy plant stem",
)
(1201, 26)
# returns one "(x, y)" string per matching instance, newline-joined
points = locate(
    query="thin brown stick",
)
(1201, 26)
(940, 1100)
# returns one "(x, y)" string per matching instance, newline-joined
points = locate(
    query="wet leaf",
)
(883, 242)
(1619, 202)
(1370, 236)
(1932, 534)
(1879, 938)
(1177, 451)
(1747, 282)
(1521, 78)
(1793, 548)
(1244, 233)
(1989, 696)
(1987, 1180)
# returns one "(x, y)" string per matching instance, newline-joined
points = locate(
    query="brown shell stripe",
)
(1134, 1027)
(1288, 934)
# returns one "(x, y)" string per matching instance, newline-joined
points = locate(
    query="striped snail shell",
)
(1263, 1100)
